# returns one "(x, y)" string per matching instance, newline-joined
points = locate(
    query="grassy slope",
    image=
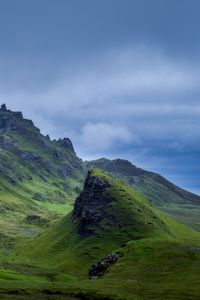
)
(58, 259)
(164, 264)
(38, 177)
(171, 199)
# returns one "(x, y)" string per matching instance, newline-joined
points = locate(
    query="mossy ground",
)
(163, 264)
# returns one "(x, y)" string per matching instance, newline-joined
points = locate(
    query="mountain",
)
(117, 236)
(165, 195)
(37, 175)
(107, 237)
(106, 214)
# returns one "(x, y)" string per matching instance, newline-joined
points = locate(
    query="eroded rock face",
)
(66, 143)
(99, 269)
(7, 142)
(90, 206)
(30, 156)
(65, 171)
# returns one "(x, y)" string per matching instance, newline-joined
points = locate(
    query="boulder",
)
(99, 269)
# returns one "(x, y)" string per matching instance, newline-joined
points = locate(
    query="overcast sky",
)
(121, 78)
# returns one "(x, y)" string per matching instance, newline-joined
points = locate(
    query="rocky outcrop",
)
(3, 107)
(30, 156)
(90, 206)
(7, 142)
(66, 143)
(37, 220)
(13, 121)
(59, 154)
(64, 171)
(27, 155)
(99, 269)
(8, 124)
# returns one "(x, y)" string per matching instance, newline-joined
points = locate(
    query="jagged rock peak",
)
(14, 121)
(3, 107)
(17, 114)
(66, 143)
(85, 213)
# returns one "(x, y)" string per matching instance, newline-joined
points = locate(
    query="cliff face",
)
(90, 206)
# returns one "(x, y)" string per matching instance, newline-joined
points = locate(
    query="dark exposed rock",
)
(59, 154)
(7, 142)
(30, 156)
(35, 219)
(102, 267)
(18, 114)
(3, 107)
(14, 121)
(13, 181)
(85, 214)
(66, 143)
(64, 171)
(46, 165)
(8, 123)
(40, 162)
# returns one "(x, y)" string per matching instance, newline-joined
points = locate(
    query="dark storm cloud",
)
(121, 78)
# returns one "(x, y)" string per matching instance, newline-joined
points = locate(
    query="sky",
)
(120, 78)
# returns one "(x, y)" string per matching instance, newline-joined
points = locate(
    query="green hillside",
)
(105, 208)
(105, 238)
(38, 176)
(154, 251)
(181, 204)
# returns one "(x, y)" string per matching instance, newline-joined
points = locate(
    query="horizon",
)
(118, 79)
(92, 158)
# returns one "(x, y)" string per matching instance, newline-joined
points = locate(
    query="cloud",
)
(103, 136)
(134, 103)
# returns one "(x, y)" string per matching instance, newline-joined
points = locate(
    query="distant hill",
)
(164, 194)
(36, 173)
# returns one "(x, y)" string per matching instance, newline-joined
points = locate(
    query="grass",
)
(163, 263)
(154, 269)
(43, 257)
(171, 199)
